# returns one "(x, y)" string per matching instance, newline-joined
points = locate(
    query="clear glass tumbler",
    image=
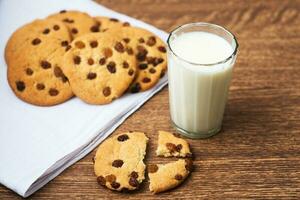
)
(198, 91)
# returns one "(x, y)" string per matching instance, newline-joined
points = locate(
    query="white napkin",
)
(38, 143)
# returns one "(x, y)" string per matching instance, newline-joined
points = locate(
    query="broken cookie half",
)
(119, 161)
(172, 146)
(167, 176)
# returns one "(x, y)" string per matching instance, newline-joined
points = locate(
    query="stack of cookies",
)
(71, 53)
(119, 162)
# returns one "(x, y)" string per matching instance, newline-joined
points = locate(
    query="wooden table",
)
(257, 154)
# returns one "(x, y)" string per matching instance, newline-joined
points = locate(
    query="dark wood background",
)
(257, 154)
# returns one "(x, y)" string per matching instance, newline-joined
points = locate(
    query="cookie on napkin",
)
(170, 145)
(167, 176)
(119, 161)
(99, 68)
(34, 55)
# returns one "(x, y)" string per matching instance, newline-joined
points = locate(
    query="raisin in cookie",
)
(107, 23)
(119, 161)
(99, 68)
(34, 55)
(78, 23)
(169, 145)
(150, 53)
(167, 176)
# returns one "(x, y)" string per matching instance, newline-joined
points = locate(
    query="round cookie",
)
(109, 23)
(78, 23)
(150, 53)
(119, 161)
(34, 55)
(99, 67)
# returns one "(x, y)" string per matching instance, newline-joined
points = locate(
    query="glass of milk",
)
(200, 62)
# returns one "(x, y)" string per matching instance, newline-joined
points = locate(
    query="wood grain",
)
(257, 154)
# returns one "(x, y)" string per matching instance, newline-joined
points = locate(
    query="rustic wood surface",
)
(257, 154)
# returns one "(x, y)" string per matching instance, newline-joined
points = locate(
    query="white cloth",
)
(38, 143)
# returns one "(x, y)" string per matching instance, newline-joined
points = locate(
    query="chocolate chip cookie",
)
(119, 161)
(78, 23)
(34, 55)
(99, 67)
(150, 53)
(169, 146)
(167, 176)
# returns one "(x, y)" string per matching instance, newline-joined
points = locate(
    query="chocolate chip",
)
(119, 47)
(94, 44)
(36, 41)
(152, 71)
(142, 53)
(150, 60)
(113, 19)
(125, 65)
(151, 41)
(77, 60)
(95, 28)
(64, 43)
(135, 88)
(141, 40)
(122, 138)
(146, 80)
(111, 67)
(91, 75)
(40, 86)
(134, 175)
(160, 60)
(188, 164)
(79, 44)
(129, 51)
(46, 31)
(130, 72)
(178, 177)
(90, 61)
(143, 66)
(62, 11)
(117, 163)
(102, 61)
(53, 92)
(126, 24)
(162, 49)
(107, 52)
(45, 64)
(133, 182)
(29, 71)
(152, 168)
(106, 91)
(58, 72)
(127, 40)
(178, 147)
(101, 180)
(67, 20)
(171, 147)
(68, 47)
(115, 185)
(56, 27)
(20, 86)
(74, 30)
(110, 178)
(162, 73)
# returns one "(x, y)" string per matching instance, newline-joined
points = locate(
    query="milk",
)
(198, 93)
